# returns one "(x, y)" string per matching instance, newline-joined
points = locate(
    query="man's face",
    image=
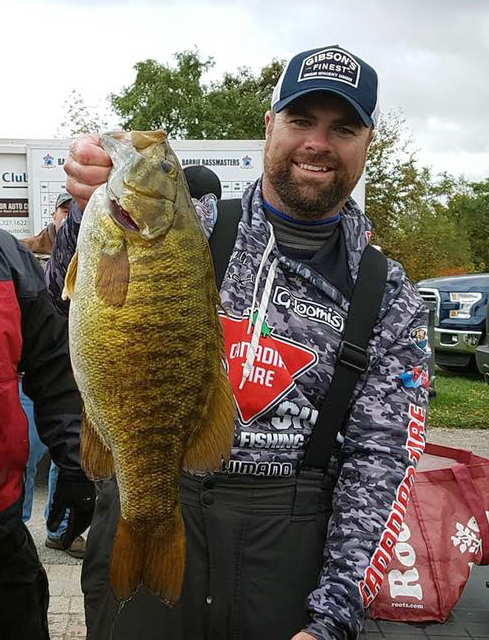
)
(314, 155)
(59, 215)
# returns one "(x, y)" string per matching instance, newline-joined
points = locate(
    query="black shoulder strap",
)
(223, 236)
(352, 359)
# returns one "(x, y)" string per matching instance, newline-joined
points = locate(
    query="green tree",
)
(428, 244)
(470, 210)
(176, 99)
(389, 172)
(81, 118)
(235, 107)
(407, 206)
(163, 97)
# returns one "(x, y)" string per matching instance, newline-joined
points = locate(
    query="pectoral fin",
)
(112, 279)
(70, 277)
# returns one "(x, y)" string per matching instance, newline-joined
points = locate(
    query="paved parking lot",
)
(470, 619)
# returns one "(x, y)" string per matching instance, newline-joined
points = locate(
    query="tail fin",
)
(126, 565)
(157, 561)
(165, 562)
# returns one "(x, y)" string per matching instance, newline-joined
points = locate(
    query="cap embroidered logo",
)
(331, 63)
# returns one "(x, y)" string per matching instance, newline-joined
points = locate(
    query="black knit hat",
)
(201, 181)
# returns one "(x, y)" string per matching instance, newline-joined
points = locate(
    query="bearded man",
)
(278, 549)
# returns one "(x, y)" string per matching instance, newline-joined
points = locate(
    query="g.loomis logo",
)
(308, 309)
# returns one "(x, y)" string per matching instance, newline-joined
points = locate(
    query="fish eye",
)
(166, 166)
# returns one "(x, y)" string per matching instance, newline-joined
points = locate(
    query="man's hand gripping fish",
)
(147, 353)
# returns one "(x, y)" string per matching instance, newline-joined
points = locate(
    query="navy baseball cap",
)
(331, 69)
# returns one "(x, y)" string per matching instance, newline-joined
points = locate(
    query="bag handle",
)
(464, 456)
(476, 503)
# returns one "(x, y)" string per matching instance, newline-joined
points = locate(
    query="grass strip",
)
(461, 402)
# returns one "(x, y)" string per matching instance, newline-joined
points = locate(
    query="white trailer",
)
(32, 175)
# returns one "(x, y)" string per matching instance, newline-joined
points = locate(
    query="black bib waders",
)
(254, 553)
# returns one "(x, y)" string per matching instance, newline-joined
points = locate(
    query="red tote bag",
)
(445, 532)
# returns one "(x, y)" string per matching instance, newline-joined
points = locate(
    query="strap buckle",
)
(353, 357)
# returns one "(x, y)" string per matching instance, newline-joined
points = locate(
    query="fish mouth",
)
(121, 217)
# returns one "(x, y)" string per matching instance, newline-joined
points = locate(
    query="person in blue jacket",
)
(37, 450)
(41, 245)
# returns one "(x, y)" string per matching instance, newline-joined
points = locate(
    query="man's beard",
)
(307, 200)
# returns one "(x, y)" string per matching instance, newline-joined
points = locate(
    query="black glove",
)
(74, 492)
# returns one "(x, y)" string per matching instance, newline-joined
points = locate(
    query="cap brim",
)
(365, 118)
(62, 201)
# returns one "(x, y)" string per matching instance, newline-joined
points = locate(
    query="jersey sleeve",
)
(383, 442)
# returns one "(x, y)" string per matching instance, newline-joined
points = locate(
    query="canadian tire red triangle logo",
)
(278, 362)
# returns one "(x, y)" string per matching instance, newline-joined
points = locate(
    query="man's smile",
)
(313, 168)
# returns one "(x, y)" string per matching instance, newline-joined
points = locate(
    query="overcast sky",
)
(432, 57)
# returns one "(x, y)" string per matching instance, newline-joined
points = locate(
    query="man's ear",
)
(371, 136)
(269, 117)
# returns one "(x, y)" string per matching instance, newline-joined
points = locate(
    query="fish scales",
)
(147, 355)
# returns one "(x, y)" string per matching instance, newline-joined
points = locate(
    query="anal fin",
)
(212, 443)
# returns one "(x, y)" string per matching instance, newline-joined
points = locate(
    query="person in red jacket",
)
(33, 342)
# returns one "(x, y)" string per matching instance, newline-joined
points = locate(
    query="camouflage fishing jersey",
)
(283, 324)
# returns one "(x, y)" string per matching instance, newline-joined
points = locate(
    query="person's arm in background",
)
(63, 249)
(49, 382)
(87, 167)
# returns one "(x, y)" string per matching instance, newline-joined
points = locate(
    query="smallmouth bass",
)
(147, 352)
